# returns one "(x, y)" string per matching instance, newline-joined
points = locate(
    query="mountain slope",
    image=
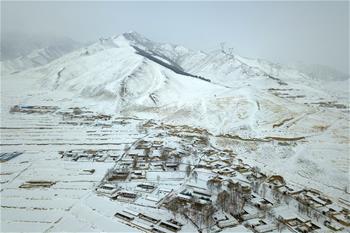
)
(21, 52)
(276, 116)
(116, 70)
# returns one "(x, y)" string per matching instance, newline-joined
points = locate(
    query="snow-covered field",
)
(272, 117)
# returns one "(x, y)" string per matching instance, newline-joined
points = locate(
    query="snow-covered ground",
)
(273, 117)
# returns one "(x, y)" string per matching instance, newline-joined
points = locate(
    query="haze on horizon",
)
(283, 32)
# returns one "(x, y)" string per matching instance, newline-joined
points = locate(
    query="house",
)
(333, 226)
(250, 212)
(203, 164)
(242, 168)
(172, 166)
(157, 144)
(124, 216)
(107, 189)
(290, 190)
(37, 184)
(143, 145)
(226, 220)
(131, 212)
(126, 163)
(184, 196)
(157, 229)
(125, 195)
(307, 227)
(118, 175)
(219, 216)
(148, 218)
(228, 223)
(142, 165)
(158, 166)
(265, 228)
(138, 174)
(313, 198)
(218, 164)
(293, 222)
(261, 203)
(155, 154)
(136, 152)
(329, 209)
(228, 171)
(201, 193)
(298, 224)
(342, 217)
(256, 176)
(170, 226)
(8, 156)
(276, 181)
(146, 187)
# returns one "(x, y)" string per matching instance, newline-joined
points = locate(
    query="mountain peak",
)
(136, 37)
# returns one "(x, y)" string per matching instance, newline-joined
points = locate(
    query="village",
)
(176, 168)
(170, 169)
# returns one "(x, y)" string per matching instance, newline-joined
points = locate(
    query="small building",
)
(149, 218)
(136, 152)
(125, 195)
(333, 226)
(142, 165)
(172, 166)
(307, 227)
(228, 223)
(155, 154)
(290, 190)
(170, 226)
(276, 181)
(242, 168)
(138, 174)
(107, 189)
(312, 198)
(261, 203)
(146, 187)
(143, 145)
(265, 228)
(226, 220)
(342, 217)
(124, 216)
(227, 171)
(8, 156)
(118, 175)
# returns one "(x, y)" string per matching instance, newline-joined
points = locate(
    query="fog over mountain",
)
(156, 125)
(282, 32)
(17, 44)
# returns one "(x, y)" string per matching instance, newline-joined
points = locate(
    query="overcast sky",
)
(285, 32)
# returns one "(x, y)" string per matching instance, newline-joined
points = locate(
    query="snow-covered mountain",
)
(131, 72)
(249, 99)
(20, 52)
(224, 92)
(321, 72)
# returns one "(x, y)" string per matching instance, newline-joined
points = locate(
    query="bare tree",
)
(188, 170)
(173, 207)
(238, 197)
(195, 176)
(223, 200)
(208, 212)
(214, 183)
(263, 190)
(164, 156)
(134, 162)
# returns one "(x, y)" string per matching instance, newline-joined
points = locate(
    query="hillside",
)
(303, 120)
